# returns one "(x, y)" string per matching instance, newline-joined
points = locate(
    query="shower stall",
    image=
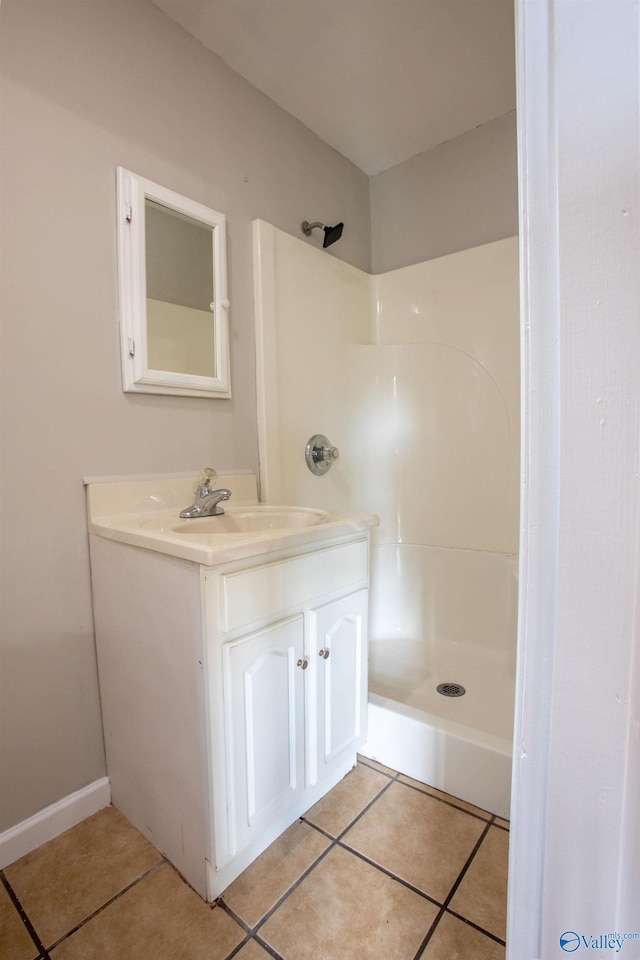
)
(414, 376)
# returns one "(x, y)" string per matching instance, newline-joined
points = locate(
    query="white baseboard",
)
(53, 820)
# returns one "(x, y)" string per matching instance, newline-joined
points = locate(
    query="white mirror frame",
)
(137, 377)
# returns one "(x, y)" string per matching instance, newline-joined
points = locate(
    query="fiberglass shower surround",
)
(420, 392)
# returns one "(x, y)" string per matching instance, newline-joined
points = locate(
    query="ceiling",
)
(379, 80)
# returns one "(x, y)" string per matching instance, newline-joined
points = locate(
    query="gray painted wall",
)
(461, 194)
(87, 87)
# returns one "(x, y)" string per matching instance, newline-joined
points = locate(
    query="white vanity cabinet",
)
(338, 638)
(234, 696)
(264, 731)
(287, 667)
(294, 697)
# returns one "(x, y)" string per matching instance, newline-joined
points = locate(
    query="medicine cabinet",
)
(172, 273)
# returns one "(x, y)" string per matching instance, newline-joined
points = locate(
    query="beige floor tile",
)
(348, 798)
(482, 895)
(455, 940)
(270, 876)
(159, 917)
(64, 881)
(346, 909)
(15, 942)
(417, 838)
(461, 804)
(502, 823)
(377, 766)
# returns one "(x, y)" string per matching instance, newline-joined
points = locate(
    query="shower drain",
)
(451, 689)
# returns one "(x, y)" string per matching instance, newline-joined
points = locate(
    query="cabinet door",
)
(339, 650)
(264, 727)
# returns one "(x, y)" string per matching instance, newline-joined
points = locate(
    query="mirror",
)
(174, 328)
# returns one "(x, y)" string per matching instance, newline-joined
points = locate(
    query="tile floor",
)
(383, 867)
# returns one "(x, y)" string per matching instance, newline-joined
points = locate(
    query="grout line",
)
(388, 873)
(452, 892)
(366, 809)
(250, 935)
(312, 866)
(42, 952)
(108, 903)
(366, 762)
(236, 950)
(476, 926)
(314, 826)
(238, 919)
(338, 841)
(251, 931)
(484, 815)
(430, 932)
(458, 916)
(267, 946)
(465, 868)
(289, 891)
(488, 816)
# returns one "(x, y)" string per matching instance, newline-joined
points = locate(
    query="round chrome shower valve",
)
(319, 454)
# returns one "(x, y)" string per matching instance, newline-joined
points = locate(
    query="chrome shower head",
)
(331, 234)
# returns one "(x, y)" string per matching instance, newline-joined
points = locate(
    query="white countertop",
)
(143, 512)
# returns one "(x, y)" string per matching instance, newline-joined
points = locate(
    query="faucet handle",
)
(320, 454)
(203, 486)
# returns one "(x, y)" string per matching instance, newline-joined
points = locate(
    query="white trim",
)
(137, 376)
(539, 495)
(575, 842)
(266, 360)
(53, 820)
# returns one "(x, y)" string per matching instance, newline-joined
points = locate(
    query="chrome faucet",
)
(207, 502)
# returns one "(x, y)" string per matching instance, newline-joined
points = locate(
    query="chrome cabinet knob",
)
(303, 664)
(324, 654)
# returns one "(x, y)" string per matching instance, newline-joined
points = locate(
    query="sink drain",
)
(451, 689)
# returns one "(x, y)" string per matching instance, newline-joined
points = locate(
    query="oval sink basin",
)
(252, 520)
